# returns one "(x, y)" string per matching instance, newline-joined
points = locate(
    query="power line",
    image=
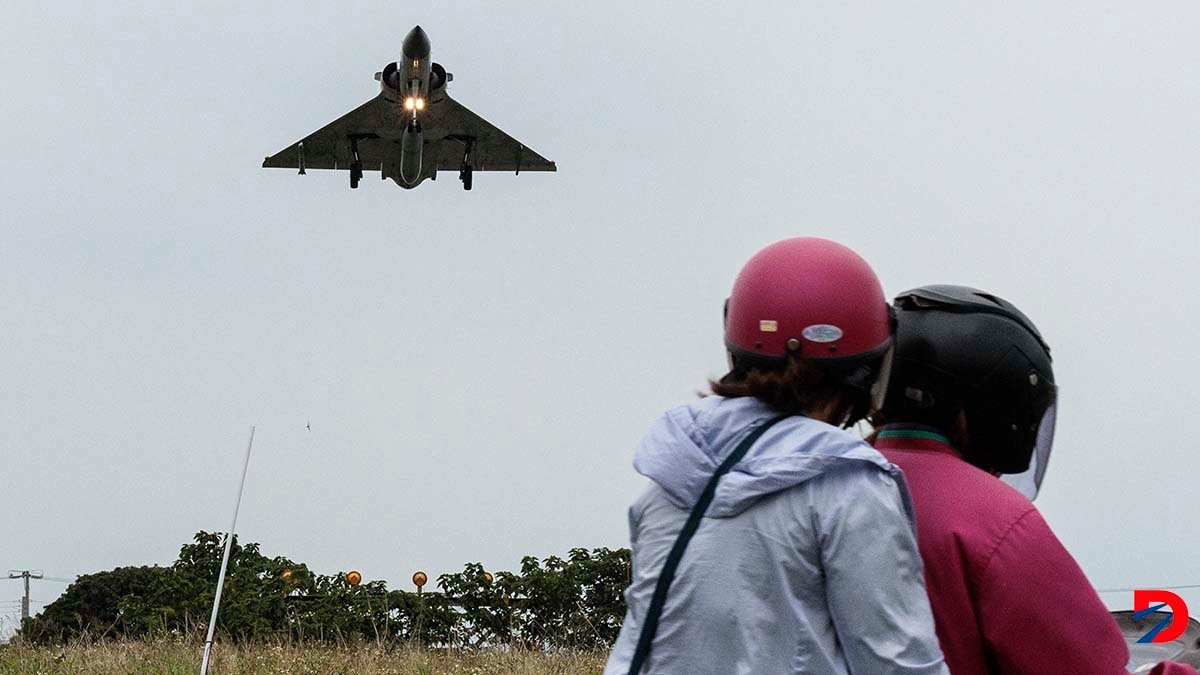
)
(26, 575)
(1130, 590)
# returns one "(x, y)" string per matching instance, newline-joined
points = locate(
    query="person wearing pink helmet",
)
(771, 540)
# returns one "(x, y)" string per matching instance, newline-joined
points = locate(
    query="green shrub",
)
(574, 603)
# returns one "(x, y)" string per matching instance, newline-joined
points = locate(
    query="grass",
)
(182, 657)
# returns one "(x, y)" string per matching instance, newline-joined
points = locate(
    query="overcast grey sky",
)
(477, 367)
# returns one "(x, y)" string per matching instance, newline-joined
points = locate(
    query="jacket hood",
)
(685, 446)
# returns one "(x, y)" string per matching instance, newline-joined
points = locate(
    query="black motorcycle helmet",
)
(961, 350)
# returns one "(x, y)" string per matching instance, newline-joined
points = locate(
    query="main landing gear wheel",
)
(355, 165)
(467, 169)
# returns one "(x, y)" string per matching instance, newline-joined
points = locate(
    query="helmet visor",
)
(1029, 481)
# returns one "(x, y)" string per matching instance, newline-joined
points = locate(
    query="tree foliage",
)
(555, 602)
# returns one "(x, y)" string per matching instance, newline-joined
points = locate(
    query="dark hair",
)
(802, 387)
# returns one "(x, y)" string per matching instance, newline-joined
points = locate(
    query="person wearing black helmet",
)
(971, 399)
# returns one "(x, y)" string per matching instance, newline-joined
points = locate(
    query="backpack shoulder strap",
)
(667, 575)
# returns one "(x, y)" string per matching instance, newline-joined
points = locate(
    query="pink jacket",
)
(1007, 598)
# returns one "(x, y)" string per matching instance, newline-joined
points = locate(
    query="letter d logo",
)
(1176, 620)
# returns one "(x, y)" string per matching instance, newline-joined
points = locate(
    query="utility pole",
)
(26, 575)
(212, 622)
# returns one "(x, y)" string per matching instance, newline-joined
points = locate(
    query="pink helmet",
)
(810, 298)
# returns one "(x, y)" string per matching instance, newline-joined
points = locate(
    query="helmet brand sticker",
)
(768, 326)
(822, 332)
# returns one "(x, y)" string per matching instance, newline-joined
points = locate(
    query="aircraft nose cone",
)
(416, 44)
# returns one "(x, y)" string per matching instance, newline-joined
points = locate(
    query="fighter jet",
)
(410, 131)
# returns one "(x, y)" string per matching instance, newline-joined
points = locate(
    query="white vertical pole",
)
(212, 621)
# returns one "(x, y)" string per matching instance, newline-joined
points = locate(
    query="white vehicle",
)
(1144, 656)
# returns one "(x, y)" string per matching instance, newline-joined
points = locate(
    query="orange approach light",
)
(354, 577)
(419, 579)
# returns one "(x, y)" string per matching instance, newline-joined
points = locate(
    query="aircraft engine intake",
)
(389, 82)
(437, 79)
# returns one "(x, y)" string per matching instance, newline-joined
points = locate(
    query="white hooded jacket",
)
(805, 561)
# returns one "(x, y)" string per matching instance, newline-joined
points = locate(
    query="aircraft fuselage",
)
(415, 68)
(411, 83)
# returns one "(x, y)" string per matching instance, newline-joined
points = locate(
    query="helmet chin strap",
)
(845, 411)
(854, 413)
(864, 380)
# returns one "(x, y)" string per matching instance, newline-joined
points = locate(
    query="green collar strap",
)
(923, 434)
